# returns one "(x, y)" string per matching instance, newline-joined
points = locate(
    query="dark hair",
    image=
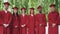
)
(16, 14)
(40, 11)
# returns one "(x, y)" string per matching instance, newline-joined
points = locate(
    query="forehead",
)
(6, 5)
(52, 7)
(31, 9)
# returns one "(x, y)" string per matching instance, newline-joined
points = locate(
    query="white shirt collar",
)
(23, 14)
(5, 11)
(31, 14)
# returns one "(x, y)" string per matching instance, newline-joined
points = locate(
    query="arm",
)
(10, 19)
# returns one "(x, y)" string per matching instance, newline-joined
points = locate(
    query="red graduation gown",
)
(31, 24)
(58, 20)
(40, 19)
(1, 24)
(52, 18)
(15, 28)
(23, 20)
(7, 17)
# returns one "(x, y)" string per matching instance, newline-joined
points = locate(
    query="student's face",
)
(32, 11)
(6, 6)
(52, 8)
(15, 10)
(40, 9)
(23, 10)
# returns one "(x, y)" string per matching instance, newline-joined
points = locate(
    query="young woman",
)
(23, 21)
(15, 21)
(31, 22)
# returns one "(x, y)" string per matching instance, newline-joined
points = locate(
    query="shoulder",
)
(37, 14)
(9, 13)
(1, 10)
(20, 15)
(57, 12)
(43, 13)
(49, 12)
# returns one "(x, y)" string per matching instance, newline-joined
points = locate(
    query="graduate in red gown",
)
(15, 21)
(23, 21)
(6, 18)
(52, 20)
(40, 21)
(31, 22)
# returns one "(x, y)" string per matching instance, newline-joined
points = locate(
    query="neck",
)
(31, 14)
(40, 12)
(15, 14)
(6, 9)
(23, 14)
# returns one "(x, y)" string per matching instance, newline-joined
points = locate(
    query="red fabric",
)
(31, 24)
(6, 17)
(15, 21)
(24, 20)
(1, 29)
(52, 18)
(6, 30)
(1, 24)
(58, 20)
(40, 19)
(1, 21)
(15, 31)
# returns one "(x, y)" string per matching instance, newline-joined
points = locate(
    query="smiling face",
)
(40, 9)
(23, 11)
(31, 11)
(52, 8)
(15, 10)
(6, 6)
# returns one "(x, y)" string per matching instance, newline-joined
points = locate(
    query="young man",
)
(40, 22)
(6, 17)
(52, 20)
(31, 22)
(15, 21)
(23, 21)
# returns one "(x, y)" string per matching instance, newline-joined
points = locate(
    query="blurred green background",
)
(32, 3)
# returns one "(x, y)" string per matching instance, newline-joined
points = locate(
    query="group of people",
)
(28, 24)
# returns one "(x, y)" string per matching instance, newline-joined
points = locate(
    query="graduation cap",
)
(32, 8)
(39, 7)
(52, 5)
(23, 8)
(15, 8)
(6, 3)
